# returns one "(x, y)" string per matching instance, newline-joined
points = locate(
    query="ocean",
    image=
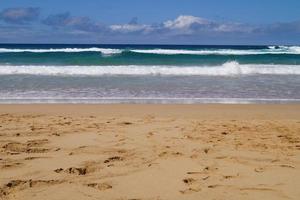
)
(47, 73)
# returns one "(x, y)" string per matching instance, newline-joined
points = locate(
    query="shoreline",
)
(151, 101)
(260, 111)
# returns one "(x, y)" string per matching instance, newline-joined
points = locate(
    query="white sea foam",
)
(66, 50)
(227, 69)
(109, 51)
(270, 50)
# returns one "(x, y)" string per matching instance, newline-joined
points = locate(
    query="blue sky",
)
(150, 21)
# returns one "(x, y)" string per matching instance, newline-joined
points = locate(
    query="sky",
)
(251, 22)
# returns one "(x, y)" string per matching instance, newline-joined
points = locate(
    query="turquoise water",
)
(145, 55)
(149, 73)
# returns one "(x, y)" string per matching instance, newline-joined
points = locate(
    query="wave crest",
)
(270, 50)
(64, 50)
(110, 51)
(227, 69)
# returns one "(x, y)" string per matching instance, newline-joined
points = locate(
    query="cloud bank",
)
(183, 29)
(65, 20)
(19, 15)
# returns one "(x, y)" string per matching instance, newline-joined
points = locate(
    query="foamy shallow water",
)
(150, 89)
(227, 69)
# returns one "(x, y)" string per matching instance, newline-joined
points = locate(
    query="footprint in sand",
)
(7, 164)
(100, 186)
(73, 170)
(190, 190)
(259, 169)
(192, 186)
(17, 185)
(189, 181)
(230, 176)
(31, 146)
(114, 158)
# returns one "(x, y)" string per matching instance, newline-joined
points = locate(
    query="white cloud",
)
(128, 28)
(233, 27)
(185, 22)
(182, 24)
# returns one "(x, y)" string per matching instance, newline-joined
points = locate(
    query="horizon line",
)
(149, 44)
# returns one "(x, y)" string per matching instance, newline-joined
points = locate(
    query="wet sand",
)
(149, 152)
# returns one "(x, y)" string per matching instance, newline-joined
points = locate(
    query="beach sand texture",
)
(149, 152)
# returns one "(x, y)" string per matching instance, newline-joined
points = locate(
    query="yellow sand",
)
(159, 152)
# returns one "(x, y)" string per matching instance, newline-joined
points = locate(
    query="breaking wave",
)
(227, 69)
(65, 50)
(212, 51)
(269, 50)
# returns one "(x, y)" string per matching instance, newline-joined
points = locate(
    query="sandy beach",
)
(149, 152)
